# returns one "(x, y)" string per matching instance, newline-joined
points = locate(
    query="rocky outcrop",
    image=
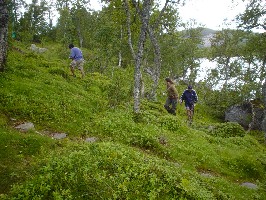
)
(241, 114)
(249, 115)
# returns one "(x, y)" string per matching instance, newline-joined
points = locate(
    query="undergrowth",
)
(152, 155)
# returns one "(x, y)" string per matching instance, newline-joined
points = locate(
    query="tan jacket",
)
(171, 91)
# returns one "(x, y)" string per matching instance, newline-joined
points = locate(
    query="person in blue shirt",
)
(190, 97)
(77, 60)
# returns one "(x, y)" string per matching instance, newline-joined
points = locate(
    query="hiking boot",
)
(172, 112)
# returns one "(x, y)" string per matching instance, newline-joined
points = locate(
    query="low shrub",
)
(225, 130)
(169, 122)
(108, 171)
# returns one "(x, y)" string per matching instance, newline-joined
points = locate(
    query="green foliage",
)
(42, 97)
(253, 16)
(229, 129)
(152, 155)
(120, 89)
(18, 152)
(103, 171)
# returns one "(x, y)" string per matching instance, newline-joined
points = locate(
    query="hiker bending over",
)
(190, 97)
(77, 60)
(172, 97)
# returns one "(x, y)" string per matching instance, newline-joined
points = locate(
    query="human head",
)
(70, 46)
(168, 80)
(189, 87)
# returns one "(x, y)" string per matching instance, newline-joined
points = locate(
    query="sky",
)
(210, 13)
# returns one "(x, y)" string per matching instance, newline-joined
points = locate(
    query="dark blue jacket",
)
(189, 97)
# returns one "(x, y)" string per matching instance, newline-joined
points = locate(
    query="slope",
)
(152, 155)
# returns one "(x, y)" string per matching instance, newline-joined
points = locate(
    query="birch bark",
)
(3, 33)
(145, 18)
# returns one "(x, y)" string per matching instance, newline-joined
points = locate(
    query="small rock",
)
(59, 136)
(25, 126)
(34, 48)
(249, 185)
(207, 175)
(91, 139)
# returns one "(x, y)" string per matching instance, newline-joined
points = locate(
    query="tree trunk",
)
(120, 51)
(3, 34)
(80, 36)
(157, 60)
(155, 73)
(264, 100)
(126, 6)
(145, 17)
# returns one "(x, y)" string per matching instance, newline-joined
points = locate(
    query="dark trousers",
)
(170, 105)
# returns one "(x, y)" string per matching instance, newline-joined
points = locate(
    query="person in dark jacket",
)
(172, 97)
(190, 97)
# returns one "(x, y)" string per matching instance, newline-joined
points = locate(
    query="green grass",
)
(152, 155)
(18, 155)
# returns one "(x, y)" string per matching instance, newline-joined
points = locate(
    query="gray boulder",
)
(241, 114)
(249, 115)
(36, 49)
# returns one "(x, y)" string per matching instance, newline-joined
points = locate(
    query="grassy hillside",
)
(153, 155)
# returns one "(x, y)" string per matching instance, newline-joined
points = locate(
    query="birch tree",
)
(254, 15)
(154, 30)
(3, 33)
(144, 18)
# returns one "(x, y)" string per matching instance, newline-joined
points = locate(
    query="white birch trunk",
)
(145, 17)
(264, 100)
(120, 53)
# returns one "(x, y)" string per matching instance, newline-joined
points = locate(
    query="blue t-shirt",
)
(76, 53)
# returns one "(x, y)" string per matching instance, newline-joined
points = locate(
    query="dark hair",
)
(70, 46)
(189, 87)
(168, 80)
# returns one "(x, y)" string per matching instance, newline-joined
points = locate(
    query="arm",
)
(72, 54)
(182, 97)
(174, 91)
(195, 97)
